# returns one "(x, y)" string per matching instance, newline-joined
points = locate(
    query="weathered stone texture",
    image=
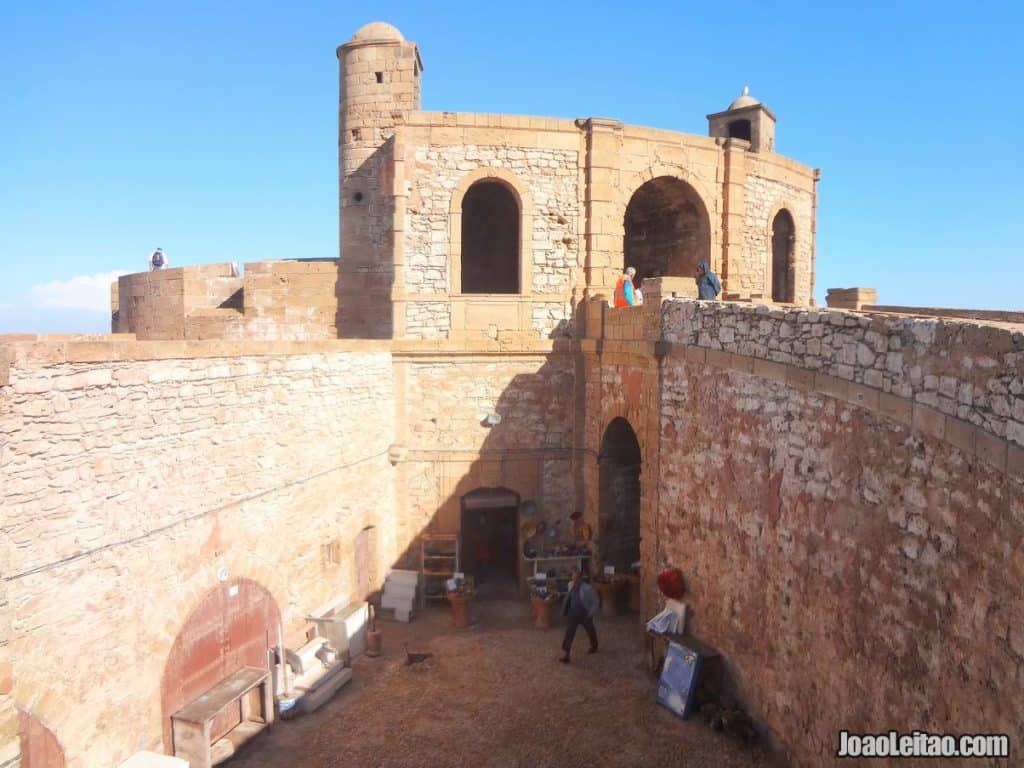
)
(855, 573)
(129, 483)
(768, 191)
(427, 320)
(274, 300)
(548, 176)
(452, 452)
(969, 371)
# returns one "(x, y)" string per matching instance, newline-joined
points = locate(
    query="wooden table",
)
(201, 731)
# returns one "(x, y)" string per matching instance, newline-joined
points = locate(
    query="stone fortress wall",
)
(842, 489)
(134, 472)
(270, 301)
(866, 530)
(845, 494)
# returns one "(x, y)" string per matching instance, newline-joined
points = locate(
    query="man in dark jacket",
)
(580, 607)
(708, 284)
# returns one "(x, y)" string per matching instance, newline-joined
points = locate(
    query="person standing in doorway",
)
(579, 607)
(624, 289)
(708, 284)
(483, 558)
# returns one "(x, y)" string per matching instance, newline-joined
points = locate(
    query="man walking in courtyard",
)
(708, 284)
(580, 607)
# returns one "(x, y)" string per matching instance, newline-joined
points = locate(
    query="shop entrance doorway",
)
(490, 538)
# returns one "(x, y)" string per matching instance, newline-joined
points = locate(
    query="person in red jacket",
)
(624, 289)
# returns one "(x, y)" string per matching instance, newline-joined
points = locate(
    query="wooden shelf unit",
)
(440, 558)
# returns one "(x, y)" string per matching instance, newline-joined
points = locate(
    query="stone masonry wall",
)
(133, 472)
(768, 190)
(549, 176)
(274, 301)
(854, 556)
(969, 371)
(452, 452)
(854, 573)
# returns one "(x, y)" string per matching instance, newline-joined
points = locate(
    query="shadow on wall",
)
(525, 456)
(366, 270)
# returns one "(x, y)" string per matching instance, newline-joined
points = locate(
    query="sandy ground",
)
(495, 695)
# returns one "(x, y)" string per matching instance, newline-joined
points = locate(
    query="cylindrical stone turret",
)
(379, 75)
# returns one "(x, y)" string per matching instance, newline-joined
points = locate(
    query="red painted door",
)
(233, 627)
(39, 747)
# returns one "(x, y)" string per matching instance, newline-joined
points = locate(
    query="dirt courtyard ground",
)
(495, 695)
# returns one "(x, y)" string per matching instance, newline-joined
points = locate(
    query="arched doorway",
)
(666, 229)
(490, 239)
(233, 626)
(490, 540)
(783, 239)
(619, 496)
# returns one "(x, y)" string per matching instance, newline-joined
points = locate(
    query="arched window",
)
(666, 230)
(783, 238)
(490, 239)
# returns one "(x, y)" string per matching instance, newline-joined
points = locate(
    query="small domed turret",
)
(743, 100)
(746, 119)
(377, 30)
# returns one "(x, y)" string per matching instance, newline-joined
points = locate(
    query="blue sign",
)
(678, 683)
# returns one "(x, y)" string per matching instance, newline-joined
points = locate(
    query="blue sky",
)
(210, 129)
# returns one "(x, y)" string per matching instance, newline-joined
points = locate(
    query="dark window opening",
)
(619, 465)
(358, 197)
(380, 77)
(490, 239)
(667, 230)
(783, 239)
(357, 134)
(739, 129)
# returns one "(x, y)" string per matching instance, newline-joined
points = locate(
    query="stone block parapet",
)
(967, 371)
(287, 300)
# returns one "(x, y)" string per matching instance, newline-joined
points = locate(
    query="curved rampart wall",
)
(845, 493)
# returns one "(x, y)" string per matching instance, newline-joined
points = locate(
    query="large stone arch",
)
(525, 202)
(703, 196)
(233, 625)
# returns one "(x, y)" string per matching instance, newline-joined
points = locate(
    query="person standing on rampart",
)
(624, 289)
(708, 284)
(157, 260)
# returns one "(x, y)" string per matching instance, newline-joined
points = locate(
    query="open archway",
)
(783, 239)
(234, 626)
(666, 229)
(490, 239)
(619, 496)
